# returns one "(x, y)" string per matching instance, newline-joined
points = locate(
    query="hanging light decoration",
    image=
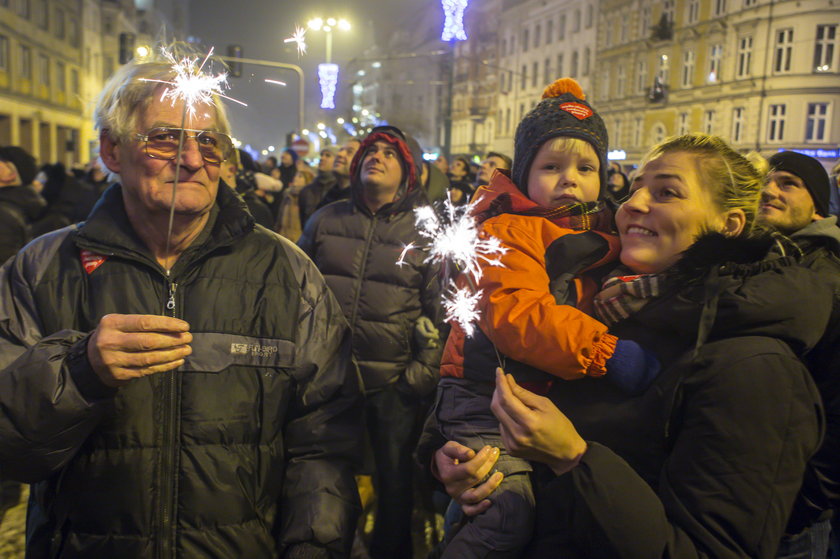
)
(453, 25)
(328, 79)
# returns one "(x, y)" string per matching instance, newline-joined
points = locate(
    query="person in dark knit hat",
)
(795, 202)
(797, 192)
(23, 162)
(20, 205)
(549, 214)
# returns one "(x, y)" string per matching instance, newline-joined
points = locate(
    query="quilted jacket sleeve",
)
(50, 398)
(522, 318)
(323, 431)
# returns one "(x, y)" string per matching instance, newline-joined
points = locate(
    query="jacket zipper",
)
(361, 281)
(169, 451)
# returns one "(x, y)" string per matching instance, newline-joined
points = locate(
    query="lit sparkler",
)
(191, 84)
(456, 241)
(299, 38)
(461, 306)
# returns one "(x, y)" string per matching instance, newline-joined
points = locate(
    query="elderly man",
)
(190, 396)
(356, 244)
(795, 201)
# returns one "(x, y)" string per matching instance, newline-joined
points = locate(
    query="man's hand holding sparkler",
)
(128, 346)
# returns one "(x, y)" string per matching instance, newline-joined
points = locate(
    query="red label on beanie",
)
(577, 110)
(91, 261)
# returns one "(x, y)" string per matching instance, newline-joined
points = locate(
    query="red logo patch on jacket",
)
(577, 110)
(91, 261)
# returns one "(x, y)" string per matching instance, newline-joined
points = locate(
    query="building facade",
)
(475, 81)
(763, 74)
(540, 42)
(54, 58)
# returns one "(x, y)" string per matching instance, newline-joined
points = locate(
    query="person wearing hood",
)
(20, 205)
(340, 190)
(356, 244)
(795, 202)
(314, 192)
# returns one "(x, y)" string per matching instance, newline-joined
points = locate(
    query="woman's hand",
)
(533, 428)
(460, 469)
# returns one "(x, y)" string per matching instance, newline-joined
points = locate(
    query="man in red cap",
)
(356, 244)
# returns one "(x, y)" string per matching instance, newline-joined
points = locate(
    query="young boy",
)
(535, 311)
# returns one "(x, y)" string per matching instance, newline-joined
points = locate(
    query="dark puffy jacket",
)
(246, 450)
(20, 206)
(312, 194)
(357, 252)
(707, 462)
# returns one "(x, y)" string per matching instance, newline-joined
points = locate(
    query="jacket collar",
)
(824, 231)
(108, 230)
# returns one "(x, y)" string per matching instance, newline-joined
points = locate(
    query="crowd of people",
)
(250, 373)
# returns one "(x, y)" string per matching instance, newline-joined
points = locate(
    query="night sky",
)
(260, 26)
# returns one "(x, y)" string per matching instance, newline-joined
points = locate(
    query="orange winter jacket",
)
(534, 309)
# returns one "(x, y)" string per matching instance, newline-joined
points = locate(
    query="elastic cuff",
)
(603, 351)
(83, 375)
(572, 464)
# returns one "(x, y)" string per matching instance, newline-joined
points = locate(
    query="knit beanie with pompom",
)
(563, 111)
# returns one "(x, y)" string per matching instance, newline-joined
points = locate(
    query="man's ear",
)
(734, 222)
(109, 152)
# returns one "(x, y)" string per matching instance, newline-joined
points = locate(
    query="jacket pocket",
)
(214, 352)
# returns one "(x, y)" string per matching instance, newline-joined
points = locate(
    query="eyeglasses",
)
(162, 143)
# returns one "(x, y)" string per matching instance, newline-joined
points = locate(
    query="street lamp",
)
(327, 71)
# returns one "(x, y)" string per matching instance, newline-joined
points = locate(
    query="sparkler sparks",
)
(191, 84)
(299, 38)
(456, 241)
(461, 306)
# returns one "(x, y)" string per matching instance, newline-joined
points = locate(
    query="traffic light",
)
(235, 51)
(126, 47)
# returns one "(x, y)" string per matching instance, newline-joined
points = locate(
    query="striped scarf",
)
(622, 296)
(582, 216)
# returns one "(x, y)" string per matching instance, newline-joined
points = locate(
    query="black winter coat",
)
(244, 451)
(357, 252)
(20, 206)
(312, 194)
(820, 242)
(707, 462)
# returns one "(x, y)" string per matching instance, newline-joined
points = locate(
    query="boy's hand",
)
(632, 368)
(425, 333)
